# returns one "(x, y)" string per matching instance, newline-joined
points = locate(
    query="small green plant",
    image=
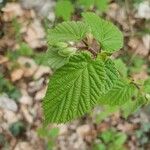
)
(86, 75)
(142, 133)
(65, 9)
(100, 5)
(8, 88)
(49, 135)
(17, 128)
(111, 140)
(2, 140)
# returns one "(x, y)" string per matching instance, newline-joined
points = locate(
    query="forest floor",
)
(23, 83)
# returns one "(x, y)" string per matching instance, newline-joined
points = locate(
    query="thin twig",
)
(89, 48)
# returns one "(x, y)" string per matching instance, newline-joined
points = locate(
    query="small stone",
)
(11, 117)
(80, 144)
(35, 86)
(63, 129)
(146, 41)
(42, 7)
(24, 146)
(144, 10)
(40, 94)
(41, 71)
(17, 74)
(26, 114)
(51, 16)
(83, 130)
(74, 125)
(26, 99)
(35, 34)
(7, 103)
(29, 66)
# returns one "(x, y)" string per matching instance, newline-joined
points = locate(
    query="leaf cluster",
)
(84, 76)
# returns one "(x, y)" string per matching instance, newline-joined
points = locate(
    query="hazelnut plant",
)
(84, 72)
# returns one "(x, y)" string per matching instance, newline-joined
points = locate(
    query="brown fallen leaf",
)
(83, 130)
(140, 76)
(3, 59)
(126, 127)
(28, 65)
(34, 34)
(118, 14)
(17, 74)
(12, 10)
(102, 127)
(138, 46)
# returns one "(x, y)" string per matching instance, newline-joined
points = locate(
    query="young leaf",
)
(75, 88)
(64, 9)
(52, 58)
(68, 31)
(119, 94)
(109, 36)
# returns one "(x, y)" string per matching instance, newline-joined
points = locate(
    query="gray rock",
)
(42, 7)
(7, 103)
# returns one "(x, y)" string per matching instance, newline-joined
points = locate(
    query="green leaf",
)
(53, 133)
(132, 106)
(75, 88)
(102, 5)
(42, 132)
(86, 3)
(146, 90)
(119, 94)
(120, 139)
(64, 9)
(67, 51)
(52, 58)
(109, 36)
(68, 31)
(137, 63)
(112, 74)
(7, 87)
(55, 60)
(107, 136)
(25, 50)
(99, 146)
(147, 86)
(121, 66)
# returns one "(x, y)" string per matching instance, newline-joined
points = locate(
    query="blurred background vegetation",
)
(25, 70)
